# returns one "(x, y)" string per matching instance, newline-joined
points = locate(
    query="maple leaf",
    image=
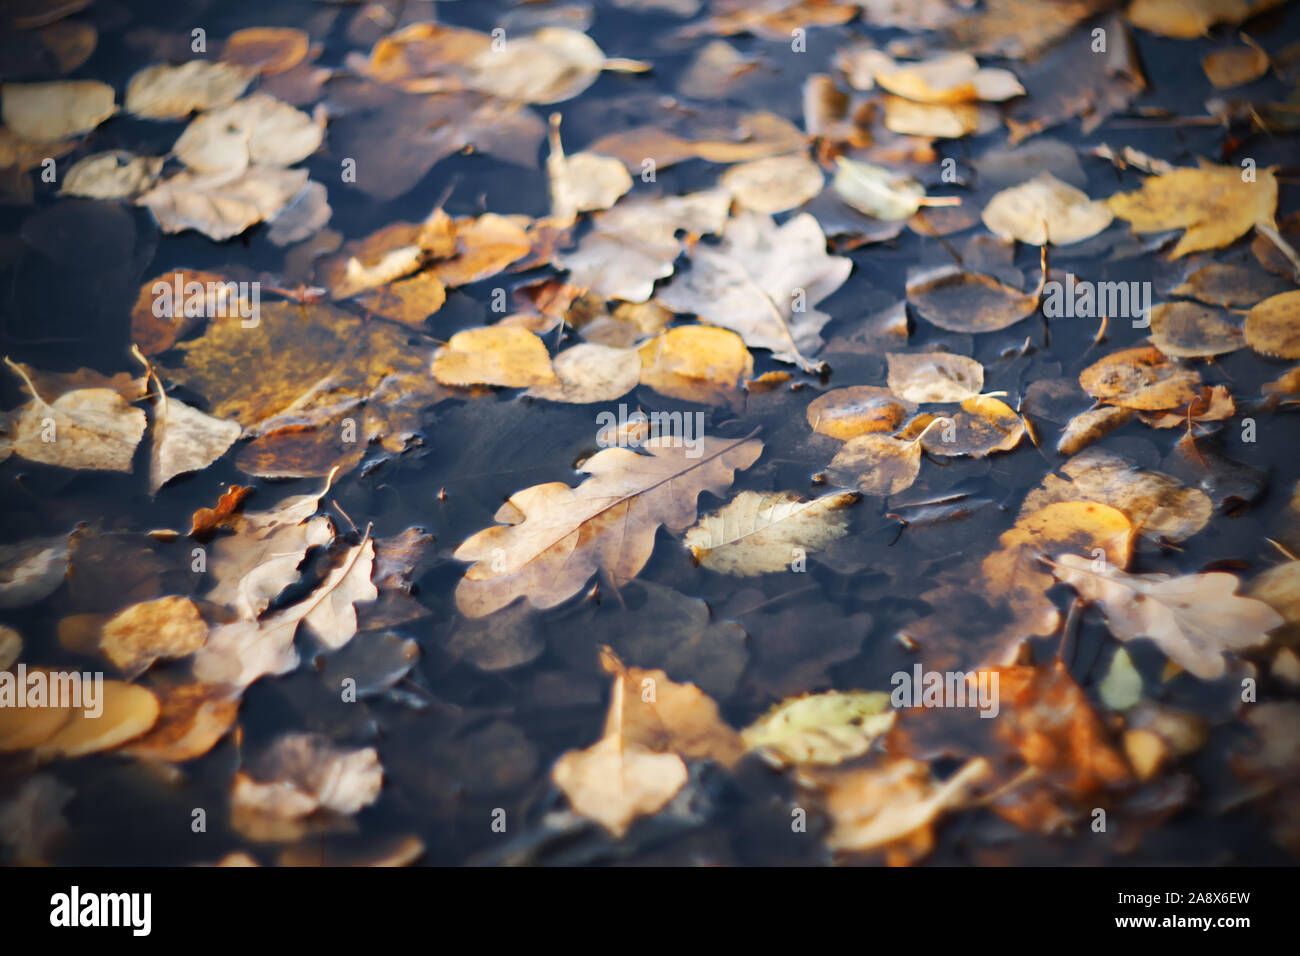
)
(553, 538)
(762, 281)
(1194, 618)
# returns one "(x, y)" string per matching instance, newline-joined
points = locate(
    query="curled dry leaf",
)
(503, 355)
(1159, 507)
(758, 533)
(1273, 326)
(749, 282)
(165, 92)
(934, 376)
(46, 112)
(698, 363)
(589, 373)
(1195, 619)
(824, 728)
(1044, 209)
(168, 627)
(1189, 330)
(961, 301)
(554, 538)
(1090, 426)
(775, 183)
(1213, 203)
(845, 413)
(88, 428)
(1141, 379)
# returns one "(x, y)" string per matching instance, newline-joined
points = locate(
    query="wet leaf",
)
(1121, 688)
(165, 92)
(1273, 326)
(193, 718)
(258, 130)
(877, 464)
(494, 355)
(553, 538)
(1189, 19)
(773, 184)
(88, 428)
(763, 282)
(266, 50)
(877, 191)
(1187, 330)
(168, 627)
(582, 182)
(824, 728)
(128, 712)
(980, 427)
(1195, 619)
(697, 363)
(934, 376)
(757, 533)
(845, 413)
(112, 175)
(46, 112)
(1044, 209)
(1213, 203)
(962, 301)
(1229, 285)
(588, 373)
(223, 204)
(1229, 68)
(1140, 378)
(31, 570)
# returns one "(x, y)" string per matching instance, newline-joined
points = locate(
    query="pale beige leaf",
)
(590, 373)
(45, 112)
(222, 205)
(934, 376)
(757, 533)
(1044, 209)
(169, 627)
(166, 92)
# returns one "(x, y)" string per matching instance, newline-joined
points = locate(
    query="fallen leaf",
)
(1140, 378)
(266, 50)
(757, 533)
(223, 204)
(33, 569)
(1044, 209)
(192, 719)
(762, 281)
(845, 413)
(583, 181)
(1189, 19)
(46, 112)
(258, 130)
(1213, 203)
(89, 428)
(553, 538)
(1229, 68)
(112, 175)
(1159, 507)
(168, 627)
(824, 728)
(588, 373)
(185, 439)
(127, 712)
(1195, 619)
(935, 120)
(165, 92)
(878, 464)
(934, 376)
(698, 363)
(947, 78)
(773, 184)
(877, 191)
(1273, 326)
(635, 243)
(501, 355)
(1229, 285)
(981, 426)
(1188, 330)
(962, 301)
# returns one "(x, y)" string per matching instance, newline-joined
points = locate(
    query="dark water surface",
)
(457, 741)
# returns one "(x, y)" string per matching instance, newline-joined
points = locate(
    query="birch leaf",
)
(553, 538)
(824, 728)
(1044, 209)
(757, 533)
(45, 112)
(168, 627)
(166, 92)
(934, 376)
(877, 191)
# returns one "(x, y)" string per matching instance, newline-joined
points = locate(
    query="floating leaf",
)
(588, 373)
(168, 627)
(934, 376)
(1273, 326)
(1140, 378)
(127, 712)
(46, 112)
(1213, 203)
(1195, 619)
(757, 533)
(1044, 209)
(1187, 330)
(877, 464)
(877, 191)
(31, 570)
(961, 301)
(773, 184)
(502, 355)
(224, 204)
(165, 92)
(845, 413)
(554, 538)
(698, 363)
(824, 728)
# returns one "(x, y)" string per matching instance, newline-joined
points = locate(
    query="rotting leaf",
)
(962, 301)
